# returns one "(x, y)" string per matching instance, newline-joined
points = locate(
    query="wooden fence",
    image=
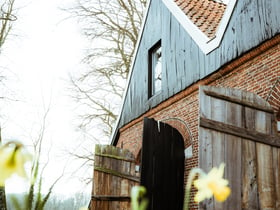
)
(114, 176)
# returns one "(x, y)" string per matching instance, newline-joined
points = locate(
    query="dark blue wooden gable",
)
(184, 63)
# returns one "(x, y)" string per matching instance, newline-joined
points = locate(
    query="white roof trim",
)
(205, 43)
(198, 36)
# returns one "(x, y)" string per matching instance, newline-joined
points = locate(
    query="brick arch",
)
(182, 127)
(273, 97)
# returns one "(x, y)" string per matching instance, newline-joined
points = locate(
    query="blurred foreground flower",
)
(212, 184)
(138, 202)
(13, 157)
(207, 185)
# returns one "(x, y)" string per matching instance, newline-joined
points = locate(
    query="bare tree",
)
(6, 18)
(112, 26)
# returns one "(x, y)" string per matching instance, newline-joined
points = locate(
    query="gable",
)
(184, 59)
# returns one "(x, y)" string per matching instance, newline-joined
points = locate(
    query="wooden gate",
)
(239, 129)
(162, 167)
(114, 175)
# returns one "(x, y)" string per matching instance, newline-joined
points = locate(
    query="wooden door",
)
(239, 129)
(162, 165)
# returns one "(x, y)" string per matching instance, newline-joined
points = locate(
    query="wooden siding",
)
(252, 23)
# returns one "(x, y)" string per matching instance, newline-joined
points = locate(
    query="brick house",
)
(204, 88)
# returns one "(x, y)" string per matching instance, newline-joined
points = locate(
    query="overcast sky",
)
(42, 50)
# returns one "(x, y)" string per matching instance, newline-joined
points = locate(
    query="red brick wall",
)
(257, 71)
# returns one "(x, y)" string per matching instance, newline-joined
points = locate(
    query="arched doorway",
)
(162, 165)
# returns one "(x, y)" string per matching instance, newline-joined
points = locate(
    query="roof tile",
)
(205, 14)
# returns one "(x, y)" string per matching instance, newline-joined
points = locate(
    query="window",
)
(155, 70)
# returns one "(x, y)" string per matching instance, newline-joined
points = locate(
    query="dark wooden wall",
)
(252, 22)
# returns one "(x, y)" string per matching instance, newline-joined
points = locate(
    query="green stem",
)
(191, 177)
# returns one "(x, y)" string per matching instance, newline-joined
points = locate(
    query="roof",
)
(205, 14)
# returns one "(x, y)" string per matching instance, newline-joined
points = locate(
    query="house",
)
(204, 88)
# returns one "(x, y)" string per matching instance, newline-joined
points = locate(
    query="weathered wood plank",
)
(265, 177)
(113, 152)
(249, 167)
(116, 173)
(205, 161)
(116, 157)
(204, 104)
(241, 132)
(276, 168)
(110, 198)
(265, 164)
(233, 171)
(96, 180)
(239, 101)
(218, 157)
(218, 110)
(249, 176)
(233, 154)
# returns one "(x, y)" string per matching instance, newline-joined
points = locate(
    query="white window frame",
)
(155, 70)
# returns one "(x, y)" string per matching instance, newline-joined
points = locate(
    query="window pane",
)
(157, 71)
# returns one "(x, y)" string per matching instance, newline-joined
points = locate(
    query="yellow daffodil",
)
(212, 184)
(137, 193)
(13, 157)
